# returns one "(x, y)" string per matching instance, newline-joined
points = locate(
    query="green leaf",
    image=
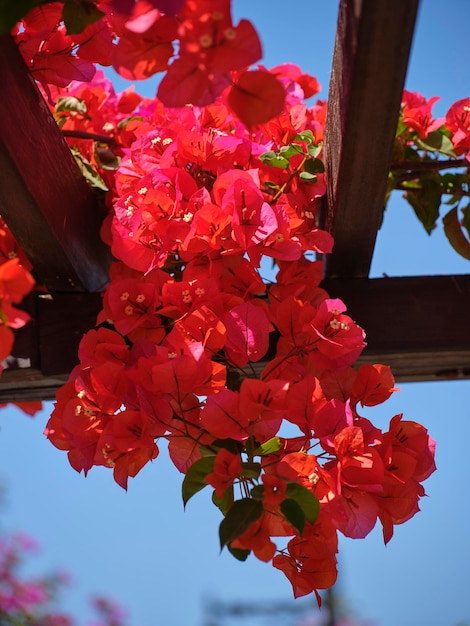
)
(270, 185)
(455, 234)
(289, 151)
(401, 127)
(240, 555)
(307, 501)
(234, 379)
(437, 142)
(3, 317)
(251, 470)
(123, 123)
(70, 103)
(106, 158)
(88, 171)
(294, 514)
(307, 177)
(314, 150)
(274, 159)
(466, 218)
(269, 447)
(411, 184)
(12, 11)
(257, 493)
(78, 14)
(224, 503)
(239, 518)
(450, 181)
(314, 166)
(426, 201)
(195, 478)
(305, 136)
(267, 156)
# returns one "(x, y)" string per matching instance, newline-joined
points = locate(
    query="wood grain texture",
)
(414, 324)
(43, 197)
(417, 325)
(372, 47)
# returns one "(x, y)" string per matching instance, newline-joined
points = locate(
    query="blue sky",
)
(161, 562)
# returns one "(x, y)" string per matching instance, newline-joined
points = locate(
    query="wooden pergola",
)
(412, 323)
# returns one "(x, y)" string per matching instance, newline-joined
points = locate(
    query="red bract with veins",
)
(417, 113)
(227, 467)
(458, 122)
(15, 283)
(310, 562)
(138, 39)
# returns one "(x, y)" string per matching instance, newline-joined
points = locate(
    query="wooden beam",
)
(417, 325)
(43, 197)
(46, 349)
(372, 47)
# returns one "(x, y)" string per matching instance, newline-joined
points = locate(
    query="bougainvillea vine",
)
(253, 383)
(194, 347)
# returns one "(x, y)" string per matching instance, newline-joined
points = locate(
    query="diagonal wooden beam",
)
(43, 197)
(372, 47)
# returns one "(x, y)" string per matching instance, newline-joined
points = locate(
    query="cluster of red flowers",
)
(195, 42)
(193, 346)
(423, 147)
(417, 116)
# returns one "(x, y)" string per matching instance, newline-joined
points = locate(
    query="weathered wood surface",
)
(46, 349)
(373, 42)
(43, 196)
(414, 324)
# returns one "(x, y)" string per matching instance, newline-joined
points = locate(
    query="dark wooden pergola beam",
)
(417, 325)
(43, 196)
(46, 349)
(372, 47)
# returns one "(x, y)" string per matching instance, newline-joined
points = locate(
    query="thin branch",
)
(82, 134)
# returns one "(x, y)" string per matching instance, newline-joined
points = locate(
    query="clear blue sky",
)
(161, 562)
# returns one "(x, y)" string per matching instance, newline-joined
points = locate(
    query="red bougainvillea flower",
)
(15, 283)
(292, 76)
(247, 328)
(417, 113)
(258, 539)
(256, 97)
(458, 122)
(373, 385)
(413, 447)
(139, 55)
(9, 248)
(310, 562)
(210, 47)
(359, 465)
(227, 468)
